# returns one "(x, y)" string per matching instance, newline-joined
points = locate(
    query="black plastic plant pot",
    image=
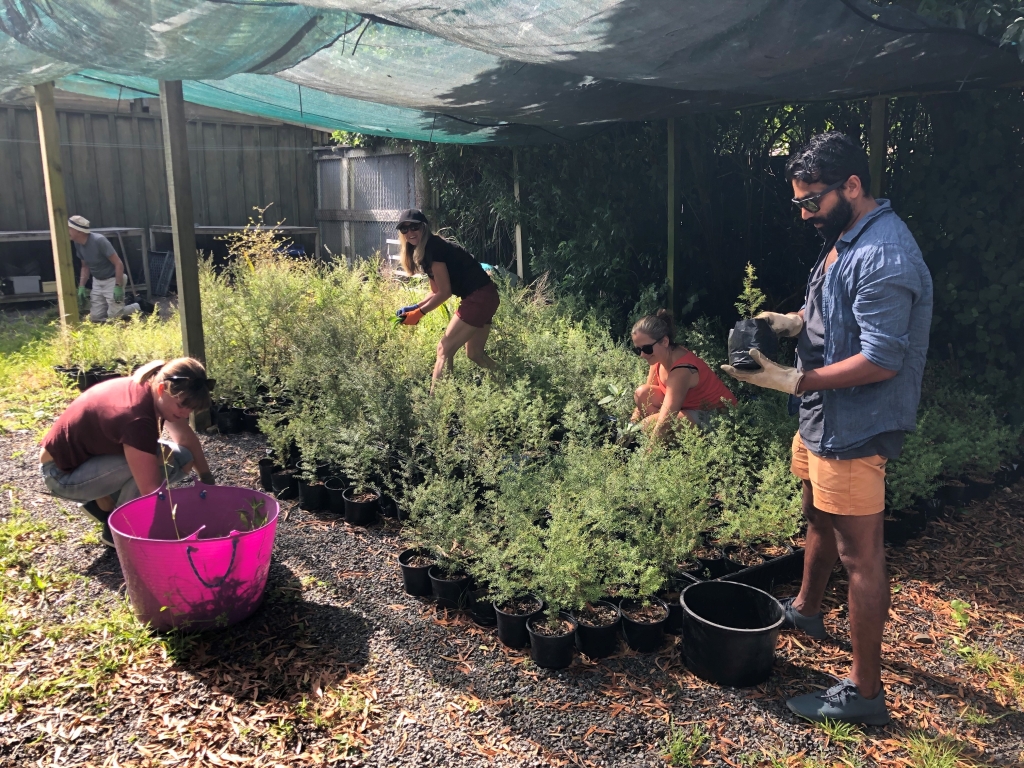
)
(597, 642)
(670, 595)
(285, 484)
(251, 420)
(323, 470)
(267, 468)
(552, 651)
(312, 496)
(229, 420)
(751, 334)
(451, 590)
(714, 564)
(481, 608)
(932, 508)
(729, 632)
(953, 494)
(361, 508)
(389, 508)
(415, 577)
(780, 569)
(512, 626)
(644, 635)
(979, 488)
(335, 488)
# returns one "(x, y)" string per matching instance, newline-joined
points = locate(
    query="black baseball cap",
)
(411, 215)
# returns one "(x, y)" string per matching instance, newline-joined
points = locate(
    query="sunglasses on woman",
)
(646, 349)
(406, 228)
(810, 203)
(210, 383)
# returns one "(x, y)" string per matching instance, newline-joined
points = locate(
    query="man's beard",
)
(837, 220)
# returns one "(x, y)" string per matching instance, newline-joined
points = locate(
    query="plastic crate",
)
(161, 271)
(26, 284)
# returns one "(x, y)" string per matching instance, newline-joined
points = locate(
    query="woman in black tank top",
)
(452, 270)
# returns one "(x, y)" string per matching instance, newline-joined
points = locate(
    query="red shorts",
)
(479, 307)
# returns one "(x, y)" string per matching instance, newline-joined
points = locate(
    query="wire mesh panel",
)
(359, 198)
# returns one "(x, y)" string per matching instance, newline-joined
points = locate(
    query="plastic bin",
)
(26, 284)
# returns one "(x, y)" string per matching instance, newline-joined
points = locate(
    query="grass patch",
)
(683, 746)
(936, 752)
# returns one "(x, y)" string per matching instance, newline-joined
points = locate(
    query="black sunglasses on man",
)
(810, 203)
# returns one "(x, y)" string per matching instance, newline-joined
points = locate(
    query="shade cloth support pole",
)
(56, 204)
(183, 228)
(672, 207)
(877, 146)
(520, 265)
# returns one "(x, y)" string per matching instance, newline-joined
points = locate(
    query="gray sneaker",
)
(841, 702)
(810, 625)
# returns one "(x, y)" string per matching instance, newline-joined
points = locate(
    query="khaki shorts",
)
(842, 486)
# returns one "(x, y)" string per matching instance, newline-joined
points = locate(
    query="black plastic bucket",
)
(450, 593)
(729, 632)
(552, 651)
(415, 577)
(360, 512)
(641, 635)
(598, 642)
(512, 626)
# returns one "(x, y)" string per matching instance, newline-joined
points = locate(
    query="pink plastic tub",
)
(215, 574)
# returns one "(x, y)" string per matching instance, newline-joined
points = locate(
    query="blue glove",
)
(401, 312)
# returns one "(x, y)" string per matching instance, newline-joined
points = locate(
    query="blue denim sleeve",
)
(883, 297)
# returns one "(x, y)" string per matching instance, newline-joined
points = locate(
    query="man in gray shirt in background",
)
(101, 261)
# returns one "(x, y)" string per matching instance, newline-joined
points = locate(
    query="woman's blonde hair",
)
(185, 378)
(412, 258)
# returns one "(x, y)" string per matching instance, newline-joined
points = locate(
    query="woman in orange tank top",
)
(679, 383)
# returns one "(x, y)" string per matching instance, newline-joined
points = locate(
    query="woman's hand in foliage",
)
(412, 317)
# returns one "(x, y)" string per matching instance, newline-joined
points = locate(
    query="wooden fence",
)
(115, 175)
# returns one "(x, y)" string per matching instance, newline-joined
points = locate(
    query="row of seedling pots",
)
(728, 629)
(84, 378)
(327, 493)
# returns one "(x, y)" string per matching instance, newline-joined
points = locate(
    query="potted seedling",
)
(751, 333)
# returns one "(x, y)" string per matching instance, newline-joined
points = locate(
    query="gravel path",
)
(415, 687)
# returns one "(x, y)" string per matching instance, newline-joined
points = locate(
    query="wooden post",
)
(56, 204)
(673, 215)
(183, 228)
(877, 146)
(520, 264)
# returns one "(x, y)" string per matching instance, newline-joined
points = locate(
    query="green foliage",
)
(1001, 20)
(751, 298)
(683, 746)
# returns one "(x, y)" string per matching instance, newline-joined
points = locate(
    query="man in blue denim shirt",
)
(862, 338)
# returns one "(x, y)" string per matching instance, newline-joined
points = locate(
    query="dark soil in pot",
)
(713, 562)
(268, 467)
(335, 488)
(643, 625)
(597, 629)
(552, 643)
(512, 617)
(361, 508)
(751, 334)
(729, 632)
(745, 557)
(415, 563)
(285, 484)
(771, 551)
(312, 496)
(450, 589)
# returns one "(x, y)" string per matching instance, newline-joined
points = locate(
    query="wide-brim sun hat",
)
(79, 224)
(411, 216)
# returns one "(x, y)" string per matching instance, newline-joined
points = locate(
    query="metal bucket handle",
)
(218, 581)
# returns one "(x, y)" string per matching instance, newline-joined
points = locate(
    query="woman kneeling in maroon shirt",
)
(105, 449)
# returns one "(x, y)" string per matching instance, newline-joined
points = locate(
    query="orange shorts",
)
(842, 486)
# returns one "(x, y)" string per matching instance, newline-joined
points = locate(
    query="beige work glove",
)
(771, 376)
(784, 325)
